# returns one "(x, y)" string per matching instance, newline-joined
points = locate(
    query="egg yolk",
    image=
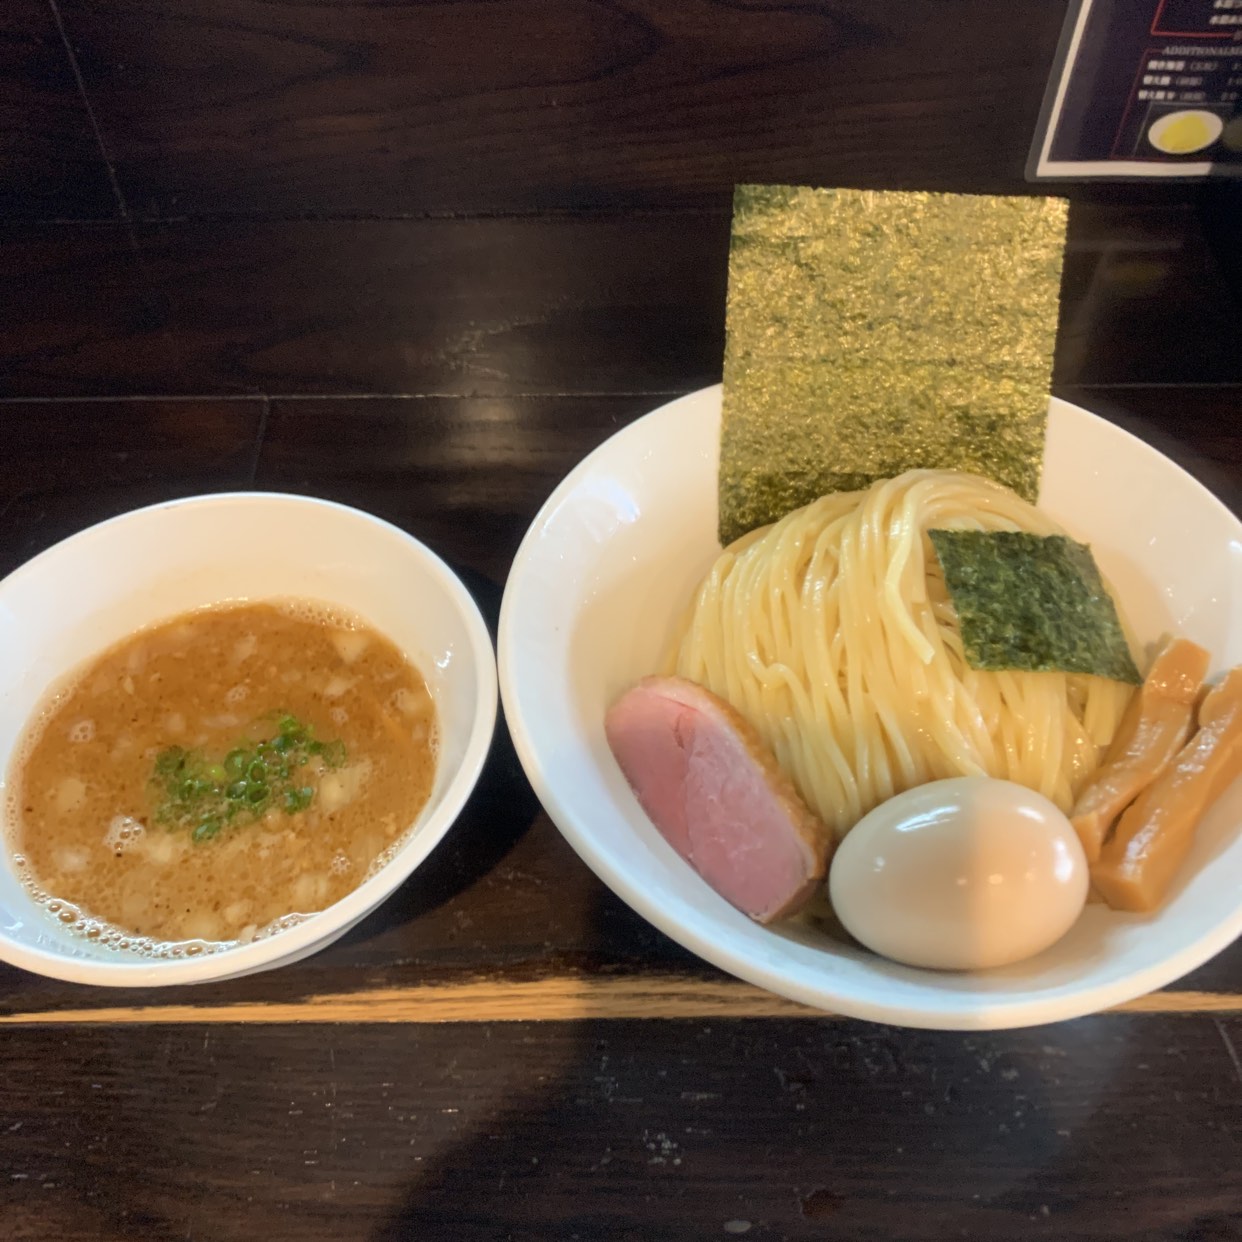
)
(1184, 135)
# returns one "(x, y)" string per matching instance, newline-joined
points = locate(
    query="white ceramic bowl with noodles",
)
(96, 588)
(599, 585)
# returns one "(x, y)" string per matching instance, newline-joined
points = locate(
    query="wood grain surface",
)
(1111, 1127)
(421, 257)
(607, 303)
(556, 998)
(51, 165)
(244, 107)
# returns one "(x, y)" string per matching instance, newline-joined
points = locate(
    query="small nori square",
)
(1035, 603)
(873, 332)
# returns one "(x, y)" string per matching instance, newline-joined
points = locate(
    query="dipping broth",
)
(229, 770)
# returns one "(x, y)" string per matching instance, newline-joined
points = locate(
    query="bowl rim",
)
(371, 893)
(992, 1014)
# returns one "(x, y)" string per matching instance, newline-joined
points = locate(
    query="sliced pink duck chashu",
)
(718, 797)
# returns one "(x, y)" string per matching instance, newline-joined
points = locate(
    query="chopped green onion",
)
(194, 792)
(208, 828)
(298, 799)
(170, 762)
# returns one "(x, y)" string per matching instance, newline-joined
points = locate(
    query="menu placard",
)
(1144, 88)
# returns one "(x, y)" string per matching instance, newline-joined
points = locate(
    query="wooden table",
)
(421, 257)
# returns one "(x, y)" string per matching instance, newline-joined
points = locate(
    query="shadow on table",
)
(1113, 1126)
(824, 1129)
(498, 813)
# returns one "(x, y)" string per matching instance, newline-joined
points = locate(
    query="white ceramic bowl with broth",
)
(599, 586)
(84, 595)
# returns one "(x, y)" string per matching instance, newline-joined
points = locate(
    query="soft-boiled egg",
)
(960, 874)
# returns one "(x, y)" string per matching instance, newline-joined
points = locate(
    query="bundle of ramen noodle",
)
(832, 633)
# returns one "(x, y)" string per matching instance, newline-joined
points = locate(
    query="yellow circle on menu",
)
(1183, 133)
